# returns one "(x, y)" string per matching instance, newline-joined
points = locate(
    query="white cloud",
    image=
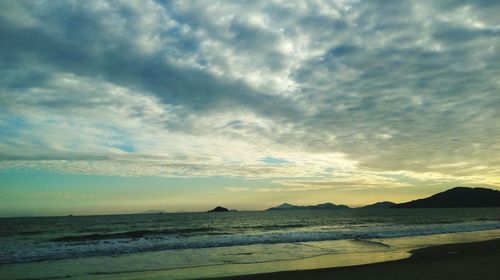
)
(186, 89)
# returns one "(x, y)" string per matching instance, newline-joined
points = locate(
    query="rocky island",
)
(219, 209)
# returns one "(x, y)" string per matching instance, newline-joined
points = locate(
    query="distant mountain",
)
(379, 205)
(327, 205)
(219, 209)
(286, 206)
(457, 197)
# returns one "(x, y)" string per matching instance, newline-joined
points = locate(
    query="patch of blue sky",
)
(273, 160)
(125, 147)
(46, 180)
(11, 125)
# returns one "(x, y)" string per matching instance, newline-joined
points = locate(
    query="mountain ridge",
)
(324, 206)
(379, 205)
(456, 197)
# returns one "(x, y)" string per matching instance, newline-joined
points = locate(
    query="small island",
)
(219, 209)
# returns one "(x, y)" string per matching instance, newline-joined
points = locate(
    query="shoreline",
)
(421, 257)
(470, 260)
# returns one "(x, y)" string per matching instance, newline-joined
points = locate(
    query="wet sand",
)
(475, 260)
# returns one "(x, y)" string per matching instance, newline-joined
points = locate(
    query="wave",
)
(149, 240)
(271, 227)
(133, 234)
(153, 233)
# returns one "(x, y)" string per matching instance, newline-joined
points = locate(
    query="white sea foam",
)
(121, 244)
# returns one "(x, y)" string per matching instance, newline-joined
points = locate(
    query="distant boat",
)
(457, 197)
(152, 212)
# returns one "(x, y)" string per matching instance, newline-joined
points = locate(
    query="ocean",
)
(192, 245)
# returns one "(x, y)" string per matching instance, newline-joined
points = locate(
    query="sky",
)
(129, 106)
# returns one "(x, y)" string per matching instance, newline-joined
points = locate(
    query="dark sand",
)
(477, 260)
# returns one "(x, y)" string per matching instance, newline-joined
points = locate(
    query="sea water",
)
(191, 245)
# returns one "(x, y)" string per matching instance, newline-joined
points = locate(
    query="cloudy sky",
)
(126, 106)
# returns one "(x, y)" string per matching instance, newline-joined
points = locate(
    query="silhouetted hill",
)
(328, 205)
(284, 206)
(457, 197)
(379, 205)
(219, 209)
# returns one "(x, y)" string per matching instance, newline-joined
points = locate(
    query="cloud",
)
(236, 189)
(184, 89)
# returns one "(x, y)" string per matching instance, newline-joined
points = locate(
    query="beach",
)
(473, 260)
